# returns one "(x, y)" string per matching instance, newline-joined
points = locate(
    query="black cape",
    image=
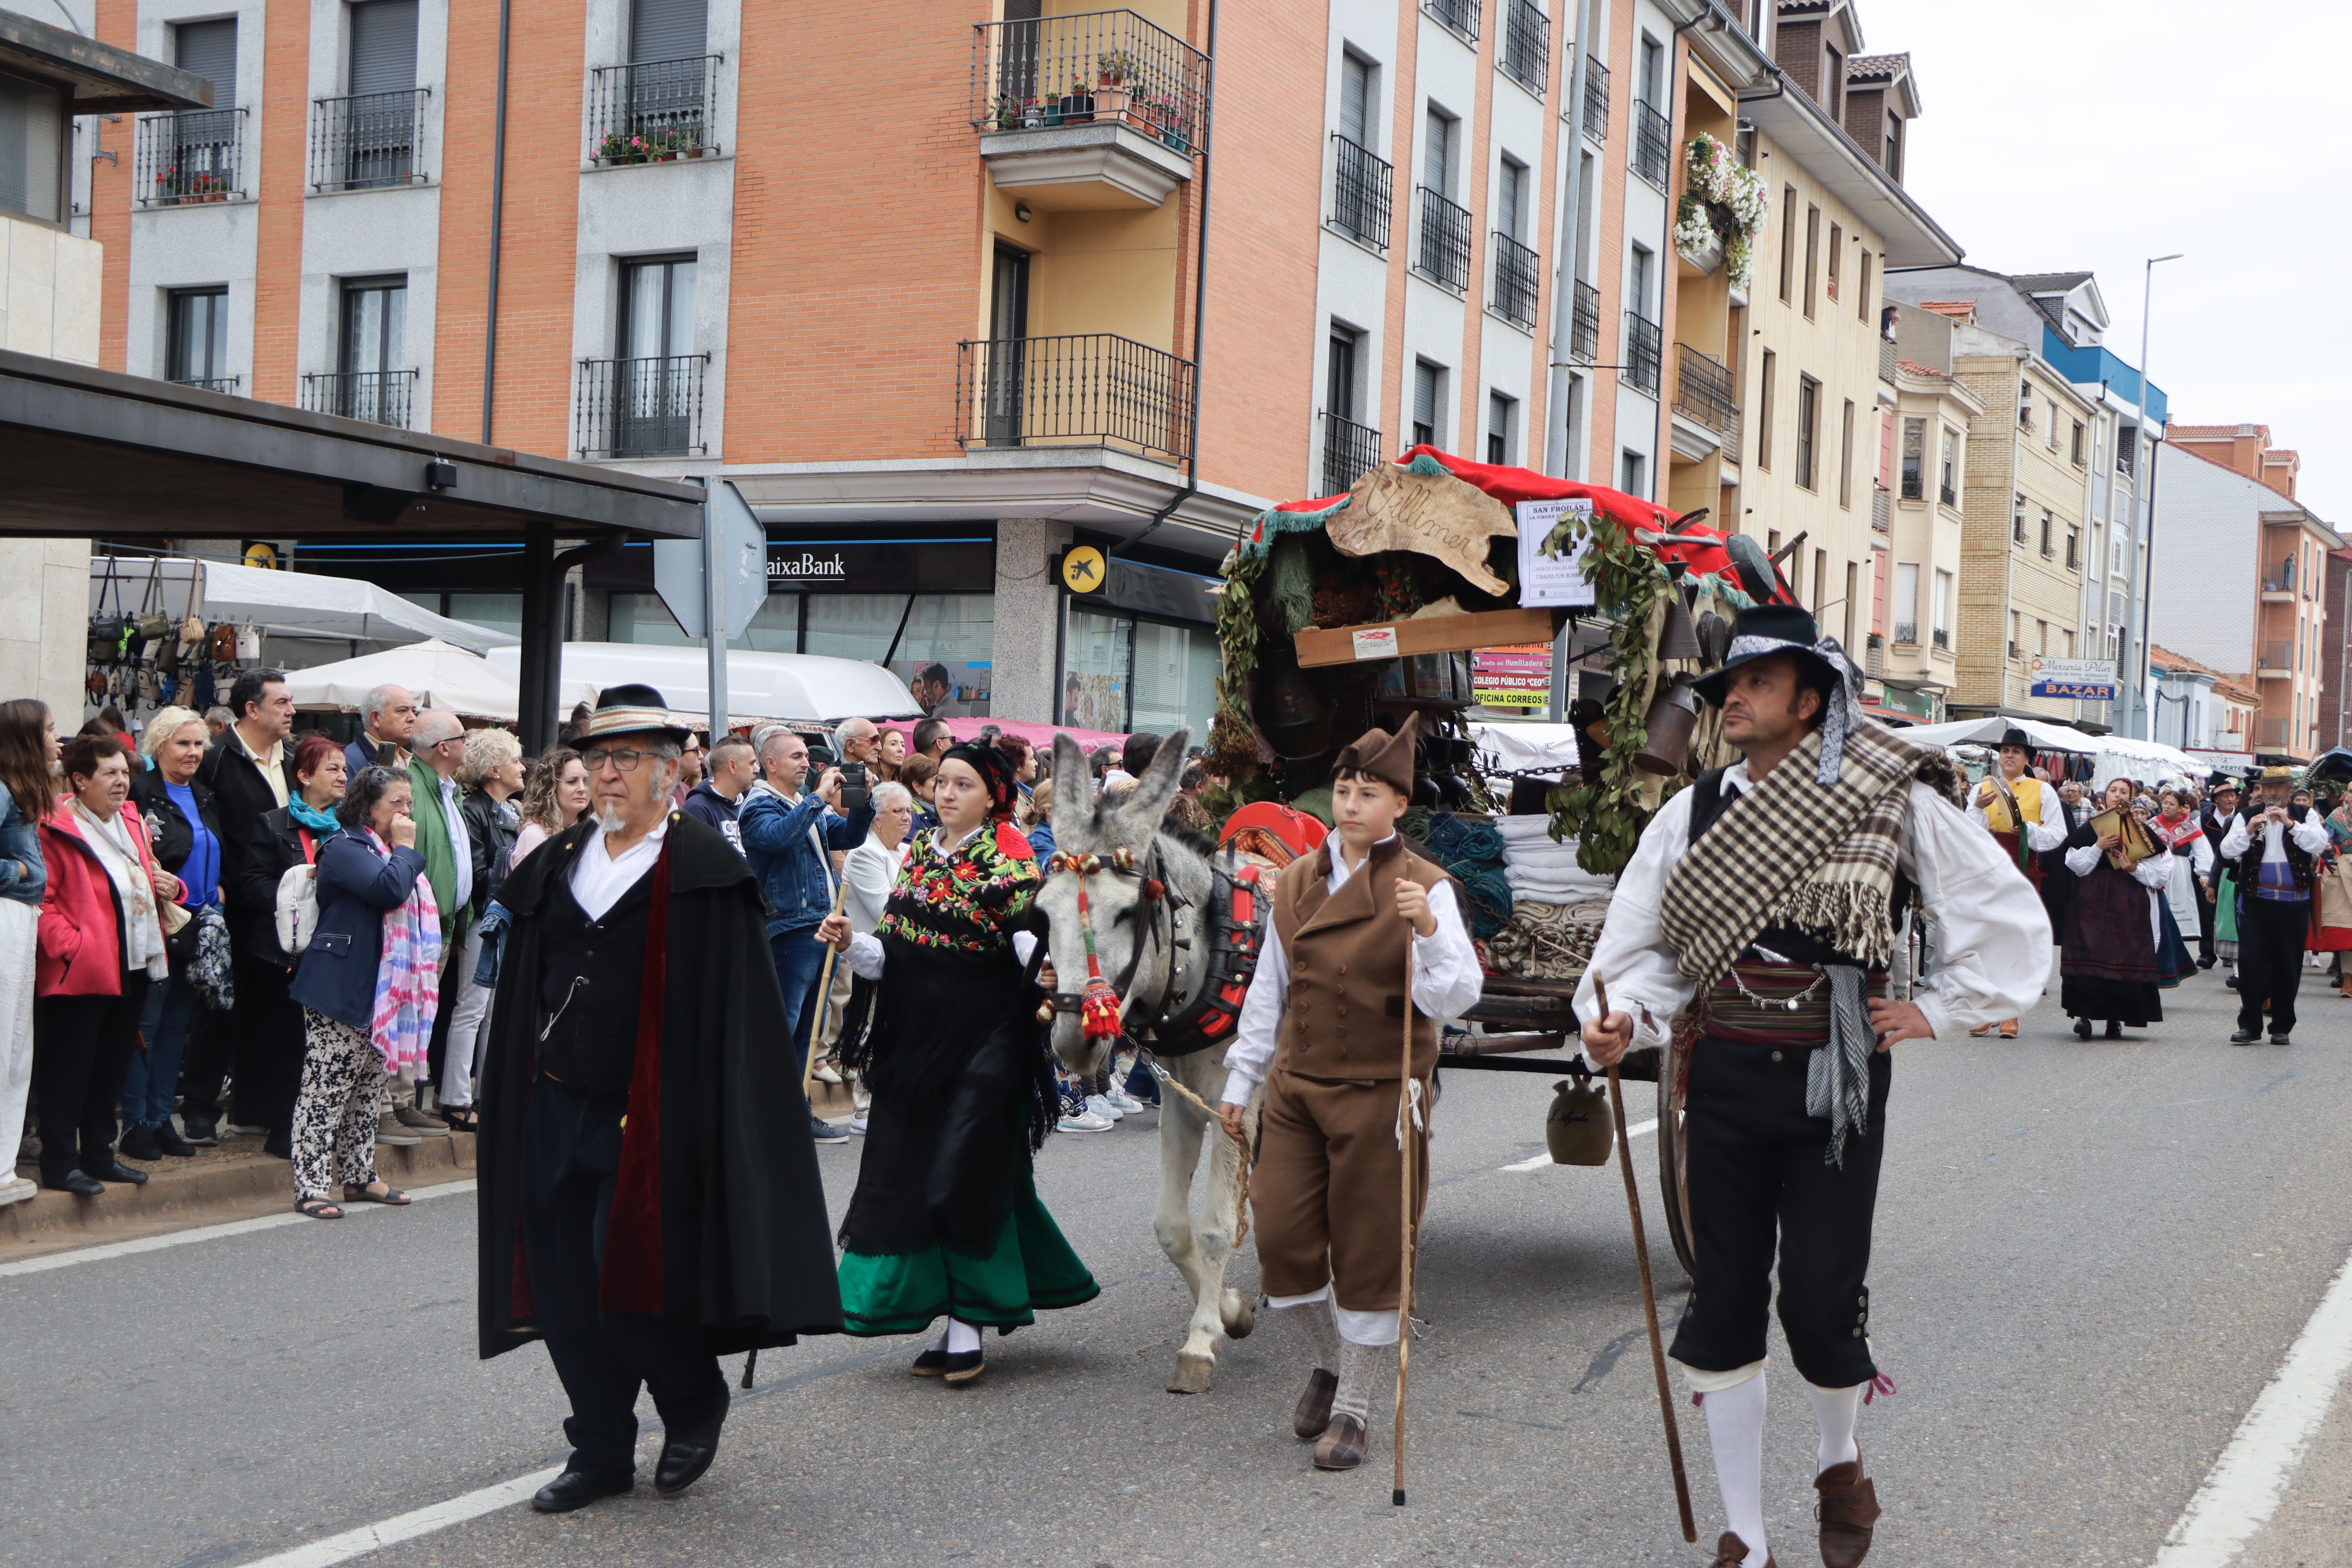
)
(741, 1223)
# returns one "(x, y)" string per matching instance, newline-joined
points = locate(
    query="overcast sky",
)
(2120, 131)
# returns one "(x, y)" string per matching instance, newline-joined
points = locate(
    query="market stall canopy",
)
(1529, 746)
(803, 686)
(439, 675)
(279, 603)
(2118, 756)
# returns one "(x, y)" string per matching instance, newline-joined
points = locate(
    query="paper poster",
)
(1514, 677)
(1375, 642)
(1542, 580)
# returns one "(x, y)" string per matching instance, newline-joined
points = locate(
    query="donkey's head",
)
(1116, 833)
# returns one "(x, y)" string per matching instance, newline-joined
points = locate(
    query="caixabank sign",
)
(791, 567)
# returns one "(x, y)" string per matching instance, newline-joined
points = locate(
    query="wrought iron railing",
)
(368, 140)
(380, 395)
(1349, 450)
(655, 112)
(1652, 144)
(1703, 390)
(1943, 637)
(1086, 389)
(1596, 98)
(1461, 16)
(190, 157)
(1526, 54)
(1360, 198)
(1445, 255)
(1102, 67)
(1949, 496)
(1907, 632)
(1518, 279)
(1584, 323)
(649, 408)
(1642, 353)
(229, 383)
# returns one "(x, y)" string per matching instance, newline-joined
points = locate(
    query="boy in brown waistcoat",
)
(1321, 1028)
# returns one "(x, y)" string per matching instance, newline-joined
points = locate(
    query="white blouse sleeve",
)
(2050, 831)
(1993, 935)
(1633, 954)
(2083, 859)
(865, 955)
(2155, 871)
(1446, 979)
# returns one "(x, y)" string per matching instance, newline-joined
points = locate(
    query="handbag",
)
(297, 908)
(105, 627)
(154, 625)
(222, 647)
(209, 972)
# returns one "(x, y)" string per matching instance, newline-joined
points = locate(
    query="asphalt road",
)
(2091, 1258)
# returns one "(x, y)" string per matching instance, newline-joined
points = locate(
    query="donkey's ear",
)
(1074, 796)
(1149, 797)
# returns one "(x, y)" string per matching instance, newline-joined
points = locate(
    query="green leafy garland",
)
(1233, 737)
(1606, 816)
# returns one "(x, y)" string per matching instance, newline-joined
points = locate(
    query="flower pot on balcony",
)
(1703, 257)
(1110, 101)
(1077, 109)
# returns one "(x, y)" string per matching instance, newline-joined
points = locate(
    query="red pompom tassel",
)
(1098, 1011)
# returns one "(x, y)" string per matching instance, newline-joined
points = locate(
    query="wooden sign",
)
(1437, 515)
(1320, 646)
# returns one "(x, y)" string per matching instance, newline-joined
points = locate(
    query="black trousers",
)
(571, 1153)
(2271, 935)
(2205, 920)
(80, 1047)
(1757, 1175)
(257, 1046)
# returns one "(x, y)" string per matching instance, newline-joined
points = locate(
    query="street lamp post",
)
(2147, 487)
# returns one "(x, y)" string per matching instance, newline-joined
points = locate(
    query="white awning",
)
(806, 687)
(286, 604)
(439, 675)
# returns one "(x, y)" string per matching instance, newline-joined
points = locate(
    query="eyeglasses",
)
(624, 758)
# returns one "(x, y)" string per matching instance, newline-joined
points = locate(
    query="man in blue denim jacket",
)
(788, 836)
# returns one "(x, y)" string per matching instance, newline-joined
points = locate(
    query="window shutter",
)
(209, 49)
(668, 30)
(383, 47)
(1515, 176)
(1437, 157)
(1425, 396)
(32, 161)
(1355, 99)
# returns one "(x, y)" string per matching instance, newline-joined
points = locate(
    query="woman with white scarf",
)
(102, 936)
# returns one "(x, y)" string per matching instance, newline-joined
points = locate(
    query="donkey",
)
(1150, 888)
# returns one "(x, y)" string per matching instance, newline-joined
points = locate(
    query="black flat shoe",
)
(79, 1184)
(115, 1171)
(139, 1144)
(962, 1366)
(169, 1140)
(578, 1489)
(2246, 1037)
(687, 1453)
(932, 1362)
(2281, 1040)
(200, 1130)
(2082, 1028)
(2114, 1029)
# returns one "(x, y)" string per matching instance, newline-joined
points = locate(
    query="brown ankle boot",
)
(1341, 1445)
(1313, 1411)
(1848, 1512)
(1732, 1552)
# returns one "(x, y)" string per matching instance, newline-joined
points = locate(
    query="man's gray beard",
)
(608, 817)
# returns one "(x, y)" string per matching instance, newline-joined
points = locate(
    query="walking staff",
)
(1759, 907)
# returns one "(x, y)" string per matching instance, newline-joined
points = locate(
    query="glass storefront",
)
(945, 645)
(1122, 674)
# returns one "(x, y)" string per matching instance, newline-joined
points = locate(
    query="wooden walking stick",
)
(823, 990)
(1649, 1291)
(1404, 1221)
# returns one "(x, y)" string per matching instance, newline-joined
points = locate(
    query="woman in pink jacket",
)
(101, 943)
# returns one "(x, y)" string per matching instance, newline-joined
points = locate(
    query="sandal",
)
(391, 1196)
(461, 1119)
(317, 1208)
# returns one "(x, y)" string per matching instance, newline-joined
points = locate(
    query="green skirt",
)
(2225, 908)
(1031, 1267)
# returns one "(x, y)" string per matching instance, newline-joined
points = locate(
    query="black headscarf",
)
(995, 771)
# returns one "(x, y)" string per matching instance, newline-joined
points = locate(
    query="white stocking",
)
(963, 1338)
(1314, 1317)
(1734, 1429)
(1836, 1410)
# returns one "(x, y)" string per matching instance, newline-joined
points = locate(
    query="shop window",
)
(1121, 674)
(949, 637)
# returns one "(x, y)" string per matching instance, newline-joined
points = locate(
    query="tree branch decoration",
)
(1606, 816)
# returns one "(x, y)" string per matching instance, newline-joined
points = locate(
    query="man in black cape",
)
(649, 1193)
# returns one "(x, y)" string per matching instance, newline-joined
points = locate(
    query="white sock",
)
(1837, 1409)
(1360, 1367)
(1314, 1319)
(963, 1338)
(1734, 1429)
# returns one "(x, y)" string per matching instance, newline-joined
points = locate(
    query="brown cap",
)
(1378, 755)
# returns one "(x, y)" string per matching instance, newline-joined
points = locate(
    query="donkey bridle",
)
(1156, 893)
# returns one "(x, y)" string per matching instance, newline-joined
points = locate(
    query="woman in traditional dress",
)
(2107, 967)
(945, 1221)
(2171, 825)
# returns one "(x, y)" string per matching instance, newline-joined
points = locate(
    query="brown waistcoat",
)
(1346, 950)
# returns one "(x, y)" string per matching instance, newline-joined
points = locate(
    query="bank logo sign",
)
(2088, 679)
(808, 567)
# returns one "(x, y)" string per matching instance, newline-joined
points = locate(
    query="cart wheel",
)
(1673, 1162)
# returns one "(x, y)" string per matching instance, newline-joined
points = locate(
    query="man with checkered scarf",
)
(1756, 926)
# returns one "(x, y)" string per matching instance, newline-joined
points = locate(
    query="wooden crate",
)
(1433, 633)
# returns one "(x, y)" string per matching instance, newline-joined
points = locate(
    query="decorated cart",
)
(1351, 611)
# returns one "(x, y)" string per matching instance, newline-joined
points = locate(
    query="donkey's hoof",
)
(1194, 1374)
(1240, 1321)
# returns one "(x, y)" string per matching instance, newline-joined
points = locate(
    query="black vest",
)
(1796, 946)
(591, 972)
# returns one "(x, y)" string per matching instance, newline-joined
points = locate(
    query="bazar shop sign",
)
(2089, 680)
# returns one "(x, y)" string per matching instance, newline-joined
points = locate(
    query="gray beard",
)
(609, 819)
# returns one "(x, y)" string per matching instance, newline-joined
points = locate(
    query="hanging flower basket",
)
(1722, 211)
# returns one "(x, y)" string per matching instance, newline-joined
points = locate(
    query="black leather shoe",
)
(2246, 1037)
(2082, 1028)
(139, 1144)
(2281, 1040)
(686, 1452)
(169, 1142)
(115, 1171)
(2114, 1029)
(202, 1130)
(578, 1489)
(79, 1184)
(932, 1362)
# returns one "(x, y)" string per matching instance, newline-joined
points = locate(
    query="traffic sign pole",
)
(714, 605)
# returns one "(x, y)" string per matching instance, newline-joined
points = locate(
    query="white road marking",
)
(2242, 1489)
(370, 1538)
(210, 1232)
(1538, 1162)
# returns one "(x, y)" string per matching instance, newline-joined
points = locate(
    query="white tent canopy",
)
(806, 687)
(2119, 756)
(439, 674)
(284, 604)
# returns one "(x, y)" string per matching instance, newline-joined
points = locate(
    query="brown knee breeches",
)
(1325, 1188)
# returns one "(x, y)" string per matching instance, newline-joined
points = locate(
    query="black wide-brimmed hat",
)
(2013, 736)
(1763, 632)
(632, 709)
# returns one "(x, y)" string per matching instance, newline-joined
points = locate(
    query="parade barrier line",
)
(2243, 1488)
(216, 1232)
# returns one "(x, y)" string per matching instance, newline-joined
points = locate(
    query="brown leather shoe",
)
(1341, 1445)
(1848, 1512)
(1313, 1411)
(1732, 1552)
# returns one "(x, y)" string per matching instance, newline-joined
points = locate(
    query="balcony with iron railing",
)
(1349, 450)
(2276, 660)
(1906, 633)
(1360, 192)
(1459, 16)
(654, 111)
(1642, 352)
(1093, 389)
(1947, 495)
(1653, 145)
(1943, 637)
(1091, 111)
(380, 396)
(368, 141)
(229, 383)
(1518, 279)
(1444, 257)
(1584, 323)
(1704, 391)
(189, 158)
(1526, 54)
(649, 408)
(1596, 98)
